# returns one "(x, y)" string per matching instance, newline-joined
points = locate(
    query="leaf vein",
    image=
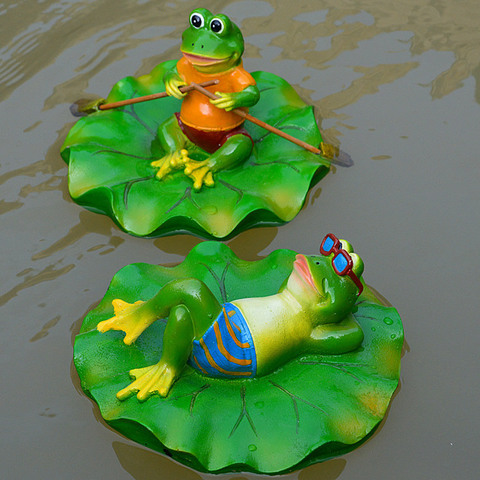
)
(118, 152)
(128, 187)
(194, 396)
(282, 127)
(243, 413)
(274, 162)
(220, 280)
(131, 111)
(339, 366)
(187, 194)
(292, 395)
(235, 189)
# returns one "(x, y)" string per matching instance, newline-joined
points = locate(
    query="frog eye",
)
(197, 20)
(217, 25)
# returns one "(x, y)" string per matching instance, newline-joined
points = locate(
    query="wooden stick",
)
(262, 124)
(154, 96)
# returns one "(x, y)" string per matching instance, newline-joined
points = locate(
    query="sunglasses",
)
(342, 261)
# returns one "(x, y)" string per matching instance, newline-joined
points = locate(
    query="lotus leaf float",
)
(109, 154)
(311, 409)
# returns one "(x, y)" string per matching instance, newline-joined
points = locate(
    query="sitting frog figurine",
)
(212, 48)
(248, 337)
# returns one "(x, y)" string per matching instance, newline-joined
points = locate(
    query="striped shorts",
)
(226, 348)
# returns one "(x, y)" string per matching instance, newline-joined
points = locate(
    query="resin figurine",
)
(212, 48)
(190, 162)
(251, 336)
(264, 366)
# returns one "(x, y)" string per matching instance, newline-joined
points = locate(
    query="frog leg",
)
(177, 346)
(191, 308)
(235, 150)
(177, 148)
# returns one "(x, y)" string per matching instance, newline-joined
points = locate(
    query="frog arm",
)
(336, 338)
(173, 81)
(246, 98)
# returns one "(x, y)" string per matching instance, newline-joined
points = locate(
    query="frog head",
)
(327, 284)
(212, 43)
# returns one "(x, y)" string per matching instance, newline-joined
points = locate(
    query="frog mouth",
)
(202, 60)
(301, 267)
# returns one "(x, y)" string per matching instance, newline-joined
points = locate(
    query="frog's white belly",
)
(277, 324)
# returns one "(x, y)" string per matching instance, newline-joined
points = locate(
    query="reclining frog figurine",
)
(248, 337)
(212, 48)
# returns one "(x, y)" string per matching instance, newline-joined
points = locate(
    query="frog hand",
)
(172, 85)
(157, 378)
(128, 318)
(200, 172)
(171, 161)
(226, 101)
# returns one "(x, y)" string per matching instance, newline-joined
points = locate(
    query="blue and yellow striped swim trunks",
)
(226, 348)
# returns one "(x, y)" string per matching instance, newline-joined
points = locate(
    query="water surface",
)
(397, 84)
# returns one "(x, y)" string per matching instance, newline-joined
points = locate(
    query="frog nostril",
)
(202, 46)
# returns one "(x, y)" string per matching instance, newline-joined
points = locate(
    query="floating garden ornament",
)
(197, 161)
(229, 365)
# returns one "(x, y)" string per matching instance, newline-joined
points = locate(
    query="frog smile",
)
(203, 60)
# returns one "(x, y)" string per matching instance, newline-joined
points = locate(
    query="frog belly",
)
(226, 349)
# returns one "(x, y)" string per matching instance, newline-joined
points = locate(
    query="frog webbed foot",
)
(128, 318)
(200, 172)
(157, 378)
(169, 162)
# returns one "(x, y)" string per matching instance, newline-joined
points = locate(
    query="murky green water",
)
(396, 83)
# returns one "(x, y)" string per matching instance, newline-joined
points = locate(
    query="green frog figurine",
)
(248, 337)
(212, 48)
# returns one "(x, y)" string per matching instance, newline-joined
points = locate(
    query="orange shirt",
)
(197, 111)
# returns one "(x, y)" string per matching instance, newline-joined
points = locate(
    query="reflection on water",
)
(87, 223)
(118, 27)
(385, 77)
(443, 26)
(145, 465)
(247, 246)
(45, 329)
(32, 277)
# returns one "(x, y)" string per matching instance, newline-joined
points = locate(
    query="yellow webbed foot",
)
(155, 379)
(129, 318)
(171, 161)
(120, 306)
(200, 172)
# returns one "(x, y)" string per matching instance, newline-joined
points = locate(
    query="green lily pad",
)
(109, 155)
(311, 409)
